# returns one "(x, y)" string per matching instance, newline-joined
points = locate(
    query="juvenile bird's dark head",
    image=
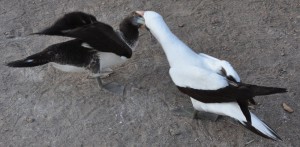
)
(134, 19)
(129, 27)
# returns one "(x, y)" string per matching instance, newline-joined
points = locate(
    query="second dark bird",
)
(96, 46)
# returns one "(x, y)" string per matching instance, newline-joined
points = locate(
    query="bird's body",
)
(106, 60)
(212, 84)
(96, 46)
(69, 56)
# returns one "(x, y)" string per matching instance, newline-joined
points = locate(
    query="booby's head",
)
(155, 24)
(152, 19)
(149, 15)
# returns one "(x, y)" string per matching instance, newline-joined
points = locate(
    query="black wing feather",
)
(254, 130)
(244, 107)
(84, 26)
(235, 92)
(69, 22)
(102, 37)
(70, 52)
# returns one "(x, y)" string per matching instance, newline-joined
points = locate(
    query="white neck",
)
(176, 51)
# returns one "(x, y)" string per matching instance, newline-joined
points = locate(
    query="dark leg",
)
(205, 116)
(95, 69)
(115, 88)
(195, 114)
(111, 87)
(99, 81)
(106, 72)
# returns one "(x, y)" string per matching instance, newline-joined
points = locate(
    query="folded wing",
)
(98, 35)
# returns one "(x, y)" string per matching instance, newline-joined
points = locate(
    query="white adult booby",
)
(96, 47)
(212, 84)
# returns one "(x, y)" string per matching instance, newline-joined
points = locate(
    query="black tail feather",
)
(254, 130)
(49, 31)
(263, 90)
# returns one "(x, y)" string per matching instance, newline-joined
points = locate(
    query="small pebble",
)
(181, 25)
(247, 143)
(29, 120)
(287, 108)
(174, 132)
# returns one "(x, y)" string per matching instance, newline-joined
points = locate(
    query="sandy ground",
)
(42, 106)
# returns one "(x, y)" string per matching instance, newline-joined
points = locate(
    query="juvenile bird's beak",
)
(141, 13)
(140, 20)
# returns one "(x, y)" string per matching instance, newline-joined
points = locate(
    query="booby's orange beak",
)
(141, 13)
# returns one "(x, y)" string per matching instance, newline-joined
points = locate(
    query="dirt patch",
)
(44, 107)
